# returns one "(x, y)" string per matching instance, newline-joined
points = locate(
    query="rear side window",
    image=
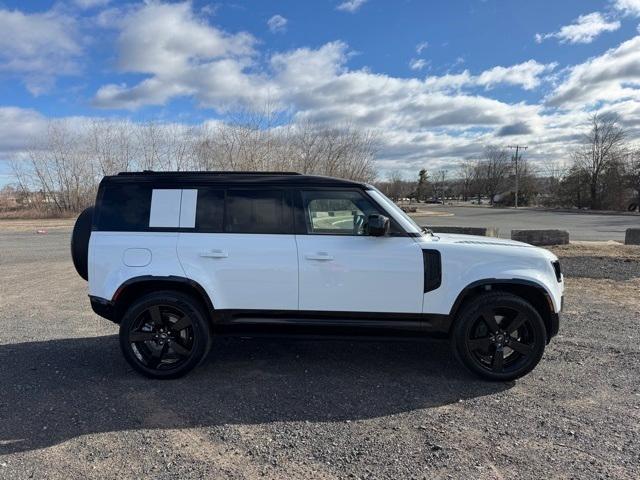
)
(210, 210)
(257, 211)
(124, 208)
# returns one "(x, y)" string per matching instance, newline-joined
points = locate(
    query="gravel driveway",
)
(71, 408)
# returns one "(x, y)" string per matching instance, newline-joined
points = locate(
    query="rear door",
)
(242, 250)
(342, 269)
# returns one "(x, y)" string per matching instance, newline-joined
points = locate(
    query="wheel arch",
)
(136, 287)
(535, 293)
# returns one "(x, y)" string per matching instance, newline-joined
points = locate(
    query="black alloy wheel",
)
(499, 336)
(165, 335)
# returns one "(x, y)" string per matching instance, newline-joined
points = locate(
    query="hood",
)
(496, 245)
(478, 240)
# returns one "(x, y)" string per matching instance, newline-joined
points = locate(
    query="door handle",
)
(320, 256)
(216, 253)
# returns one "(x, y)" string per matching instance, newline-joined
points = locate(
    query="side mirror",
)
(377, 225)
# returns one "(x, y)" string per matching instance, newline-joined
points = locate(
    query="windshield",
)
(401, 217)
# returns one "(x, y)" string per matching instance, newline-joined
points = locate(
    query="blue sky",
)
(437, 80)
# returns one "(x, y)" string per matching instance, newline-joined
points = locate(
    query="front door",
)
(344, 270)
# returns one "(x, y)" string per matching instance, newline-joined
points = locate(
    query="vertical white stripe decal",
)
(188, 208)
(165, 208)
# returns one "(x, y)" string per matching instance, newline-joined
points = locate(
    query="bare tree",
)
(467, 172)
(493, 170)
(395, 189)
(440, 178)
(601, 147)
(633, 173)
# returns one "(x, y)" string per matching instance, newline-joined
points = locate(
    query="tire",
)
(499, 336)
(165, 334)
(80, 242)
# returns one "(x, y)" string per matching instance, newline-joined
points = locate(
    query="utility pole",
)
(515, 159)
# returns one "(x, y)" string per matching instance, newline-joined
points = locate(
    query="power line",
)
(515, 159)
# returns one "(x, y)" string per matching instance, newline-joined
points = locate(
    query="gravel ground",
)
(71, 408)
(601, 267)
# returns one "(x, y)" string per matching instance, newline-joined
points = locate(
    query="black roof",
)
(225, 177)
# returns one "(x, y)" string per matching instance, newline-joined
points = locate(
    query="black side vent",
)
(557, 270)
(432, 270)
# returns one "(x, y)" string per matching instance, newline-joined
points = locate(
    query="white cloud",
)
(421, 47)
(525, 75)
(351, 6)
(183, 56)
(628, 7)
(277, 23)
(38, 47)
(610, 77)
(585, 29)
(19, 127)
(418, 63)
(87, 4)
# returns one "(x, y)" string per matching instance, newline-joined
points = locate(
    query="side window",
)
(336, 212)
(257, 211)
(124, 208)
(210, 210)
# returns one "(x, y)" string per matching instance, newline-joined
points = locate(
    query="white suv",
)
(177, 258)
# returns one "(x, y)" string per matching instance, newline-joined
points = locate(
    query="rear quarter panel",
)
(119, 256)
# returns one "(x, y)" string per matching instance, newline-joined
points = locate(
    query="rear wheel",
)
(499, 336)
(165, 334)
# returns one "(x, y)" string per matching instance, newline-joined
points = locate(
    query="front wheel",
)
(165, 334)
(499, 336)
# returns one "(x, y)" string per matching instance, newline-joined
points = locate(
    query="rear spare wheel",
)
(80, 242)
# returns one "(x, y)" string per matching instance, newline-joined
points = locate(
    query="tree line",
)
(60, 172)
(603, 173)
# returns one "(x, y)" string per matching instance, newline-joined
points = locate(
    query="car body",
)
(275, 253)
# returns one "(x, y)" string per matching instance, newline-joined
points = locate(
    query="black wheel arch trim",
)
(553, 322)
(110, 310)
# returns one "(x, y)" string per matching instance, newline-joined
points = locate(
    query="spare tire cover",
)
(80, 242)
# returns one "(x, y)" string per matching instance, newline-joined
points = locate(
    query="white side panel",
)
(108, 251)
(360, 274)
(165, 208)
(243, 271)
(188, 208)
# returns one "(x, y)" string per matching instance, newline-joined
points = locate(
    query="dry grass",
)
(33, 225)
(597, 249)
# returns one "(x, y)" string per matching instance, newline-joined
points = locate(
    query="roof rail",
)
(209, 172)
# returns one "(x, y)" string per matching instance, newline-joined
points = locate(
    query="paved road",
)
(581, 226)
